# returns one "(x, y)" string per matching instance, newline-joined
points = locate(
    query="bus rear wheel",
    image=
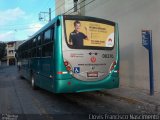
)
(34, 87)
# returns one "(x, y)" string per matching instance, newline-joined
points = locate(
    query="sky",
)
(19, 19)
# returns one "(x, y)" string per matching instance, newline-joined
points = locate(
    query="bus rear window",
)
(89, 35)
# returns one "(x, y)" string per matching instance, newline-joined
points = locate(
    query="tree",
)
(2, 49)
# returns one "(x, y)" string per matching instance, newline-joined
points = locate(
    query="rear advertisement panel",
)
(83, 34)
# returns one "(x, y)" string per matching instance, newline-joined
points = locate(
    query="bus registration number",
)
(92, 74)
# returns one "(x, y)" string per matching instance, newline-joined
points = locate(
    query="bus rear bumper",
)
(74, 85)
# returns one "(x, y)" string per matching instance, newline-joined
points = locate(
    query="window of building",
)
(10, 51)
(10, 44)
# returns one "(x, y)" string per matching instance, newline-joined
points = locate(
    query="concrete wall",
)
(133, 16)
(59, 6)
(64, 6)
(67, 7)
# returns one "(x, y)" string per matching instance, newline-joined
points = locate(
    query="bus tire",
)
(34, 87)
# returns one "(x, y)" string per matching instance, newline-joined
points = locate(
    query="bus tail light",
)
(112, 66)
(59, 72)
(68, 66)
(66, 63)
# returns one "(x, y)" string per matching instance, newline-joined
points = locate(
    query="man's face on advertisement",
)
(77, 27)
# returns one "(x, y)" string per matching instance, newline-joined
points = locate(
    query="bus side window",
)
(39, 51)
(29, 44)
(29, 54)
(39, 45)
(47, 36)
(25, 54)
(52, 39)
(39, 40)
(52, 34)
(34, 42)
(47, 47)
(34, 52)
(48, 51)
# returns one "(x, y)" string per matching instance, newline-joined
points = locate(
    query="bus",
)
(72, 54)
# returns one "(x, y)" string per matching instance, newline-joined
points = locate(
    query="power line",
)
(73, 7)
(83, 6)
(44, 6)
(58, 7)
(42, 15)
(49, 5)
(20, 28)
(17, 24)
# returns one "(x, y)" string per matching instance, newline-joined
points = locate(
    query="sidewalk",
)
(137, 95)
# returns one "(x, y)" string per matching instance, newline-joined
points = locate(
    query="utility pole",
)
(49, 14)
(42, 15)
(75, 5)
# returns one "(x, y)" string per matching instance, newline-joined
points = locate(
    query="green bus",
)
(72, 54)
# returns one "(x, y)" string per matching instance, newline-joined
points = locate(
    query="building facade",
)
(11, 48)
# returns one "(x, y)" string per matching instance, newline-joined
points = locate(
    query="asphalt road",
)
(19, 101)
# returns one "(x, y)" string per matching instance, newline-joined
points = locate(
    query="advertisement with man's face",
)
(83, 34)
